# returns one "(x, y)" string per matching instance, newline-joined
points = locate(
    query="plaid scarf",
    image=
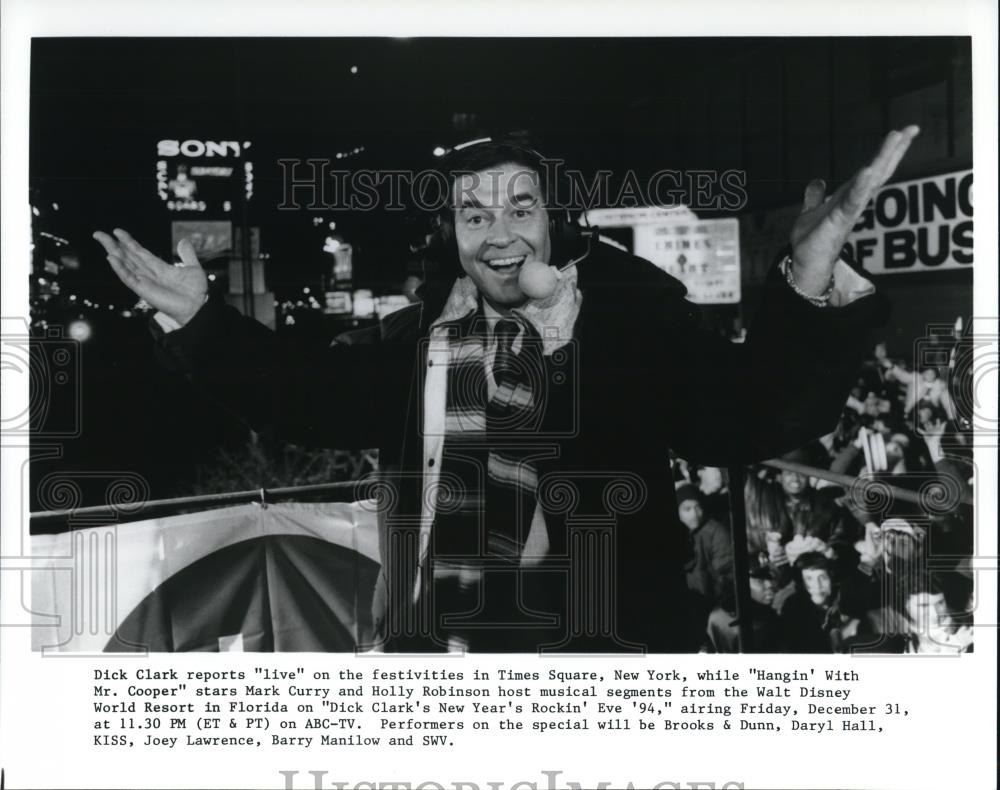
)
(487, 487)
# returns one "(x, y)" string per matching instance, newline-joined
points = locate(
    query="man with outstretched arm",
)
(509, 426)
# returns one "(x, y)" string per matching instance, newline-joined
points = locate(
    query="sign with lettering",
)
(187, 182)
(917, 226)
(211, 239)
(704, 254)
(196, 148)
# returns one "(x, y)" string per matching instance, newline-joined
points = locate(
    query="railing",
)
(47, 520)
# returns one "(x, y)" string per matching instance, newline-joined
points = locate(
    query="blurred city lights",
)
(79, 330)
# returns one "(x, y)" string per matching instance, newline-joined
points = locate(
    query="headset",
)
(569, 240)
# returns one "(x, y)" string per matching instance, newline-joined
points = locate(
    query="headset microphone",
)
(537, 280)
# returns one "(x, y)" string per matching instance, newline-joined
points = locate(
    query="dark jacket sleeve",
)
(785, 385)
(347, 396)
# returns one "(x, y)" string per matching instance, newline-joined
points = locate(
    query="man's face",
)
(818, 585)
(500, 224)
(927, 611)
(792, 483)
(762, 591)
(871, 405)
(690, 513)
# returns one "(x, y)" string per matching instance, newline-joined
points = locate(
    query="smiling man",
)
(500, 224)
(526, 492)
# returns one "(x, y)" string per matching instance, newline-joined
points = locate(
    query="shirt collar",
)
(464, 300)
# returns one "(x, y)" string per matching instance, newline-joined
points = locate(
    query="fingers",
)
(187, 254)
(127, 257)
(131, 270)
(124, 271)
(109, 244)
(118, 258)
(893, 148)
(815, 192)
(856, 197)
(852, 197)
(139, 255)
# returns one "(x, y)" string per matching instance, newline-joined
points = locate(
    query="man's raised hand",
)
(179, 290)
(822, 228)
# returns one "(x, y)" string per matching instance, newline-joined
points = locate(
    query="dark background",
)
(783, 110)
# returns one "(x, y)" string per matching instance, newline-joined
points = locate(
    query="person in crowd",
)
(929, 387)
(715, 493)
(495, 388)
(810, 614)
(916, 618)
(791, 515)
(710, 547)
(812, 513)
(723, 632)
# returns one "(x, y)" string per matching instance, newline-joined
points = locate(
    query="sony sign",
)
(196, 148)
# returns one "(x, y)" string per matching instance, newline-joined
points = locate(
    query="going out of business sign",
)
(917, 226)
(704, 254)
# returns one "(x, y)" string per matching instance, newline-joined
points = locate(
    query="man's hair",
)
(518, 148)
(812, 560)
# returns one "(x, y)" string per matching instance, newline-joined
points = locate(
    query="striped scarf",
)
(487, 491)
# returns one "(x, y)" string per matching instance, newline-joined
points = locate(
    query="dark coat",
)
(710, 560)
(638, 378)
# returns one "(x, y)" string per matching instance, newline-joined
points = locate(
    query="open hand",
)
(178, 290)
(822, 228)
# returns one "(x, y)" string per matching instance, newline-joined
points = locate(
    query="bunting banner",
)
(285, 577)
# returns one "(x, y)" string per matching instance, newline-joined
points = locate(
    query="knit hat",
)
(812, 454)
(687, 491)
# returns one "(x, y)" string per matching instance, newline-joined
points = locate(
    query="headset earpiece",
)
(565, 235)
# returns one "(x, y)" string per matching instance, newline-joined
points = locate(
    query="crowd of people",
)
(858, 542)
